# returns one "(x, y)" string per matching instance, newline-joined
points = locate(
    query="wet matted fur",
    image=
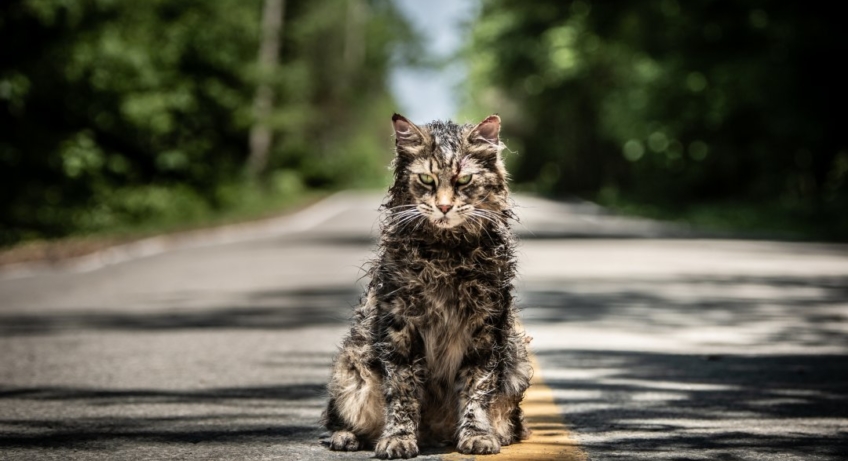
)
(434, 355)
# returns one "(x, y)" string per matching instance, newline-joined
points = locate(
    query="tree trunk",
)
(354, 44)
(263, 104)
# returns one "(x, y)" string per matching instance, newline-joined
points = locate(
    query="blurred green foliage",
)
(671, 105)
(115, 114)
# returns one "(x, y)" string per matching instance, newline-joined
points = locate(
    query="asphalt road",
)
(657, 344)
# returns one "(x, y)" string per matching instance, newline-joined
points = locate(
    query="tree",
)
(118, 113)
(668, 102)
(269, 49)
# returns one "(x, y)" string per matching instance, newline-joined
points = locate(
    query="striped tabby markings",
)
(550, 439)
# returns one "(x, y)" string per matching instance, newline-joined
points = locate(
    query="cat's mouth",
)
(445, 223)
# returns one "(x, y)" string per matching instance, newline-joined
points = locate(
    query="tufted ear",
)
(406, 133)
(487, 131)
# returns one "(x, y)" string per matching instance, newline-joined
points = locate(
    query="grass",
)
(252, 207)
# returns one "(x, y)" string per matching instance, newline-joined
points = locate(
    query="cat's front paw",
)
(478, 444)
(396, 447)
(344, 441)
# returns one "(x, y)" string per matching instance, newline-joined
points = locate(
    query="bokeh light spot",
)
(657, 141)
(698, 150)
(696, 82)
(633, 150)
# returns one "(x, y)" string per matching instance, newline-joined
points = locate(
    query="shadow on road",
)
(222, 396)
(662, 406)
(107, 433)
(268, 310)
(724, 368)
(232, 416)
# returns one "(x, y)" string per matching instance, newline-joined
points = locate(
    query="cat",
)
(434, 355)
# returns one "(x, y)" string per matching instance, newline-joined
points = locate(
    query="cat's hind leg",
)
(356, 410)
(345, 441)
(505, 414)
(507, 420)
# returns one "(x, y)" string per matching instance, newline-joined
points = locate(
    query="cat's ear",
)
(406, 133)
(487, 131)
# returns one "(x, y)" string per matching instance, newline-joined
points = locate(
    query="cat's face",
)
(453, 174)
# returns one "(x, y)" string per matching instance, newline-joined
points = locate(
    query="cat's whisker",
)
(509, 216)
(488, 218)
(493, 213)
(404, 214)
(395, 216)
(498, 218)
(408, 219)
(477, 221)
(405, 209)
(401, 206)
(414, 229)
(401, 217)
(401, 224)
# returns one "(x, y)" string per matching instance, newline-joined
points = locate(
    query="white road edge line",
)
(301, 221)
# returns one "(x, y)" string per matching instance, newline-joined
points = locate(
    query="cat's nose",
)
(444, 208)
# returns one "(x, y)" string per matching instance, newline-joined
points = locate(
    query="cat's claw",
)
(396, 447)
(479, 444)
(344, 441)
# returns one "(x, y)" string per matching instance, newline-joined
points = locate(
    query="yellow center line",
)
(550, 439)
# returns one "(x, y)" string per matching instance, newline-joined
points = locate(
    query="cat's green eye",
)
(426, 179)
(463, 180)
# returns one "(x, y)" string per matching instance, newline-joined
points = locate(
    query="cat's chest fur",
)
(445, 335)
(452, 292)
